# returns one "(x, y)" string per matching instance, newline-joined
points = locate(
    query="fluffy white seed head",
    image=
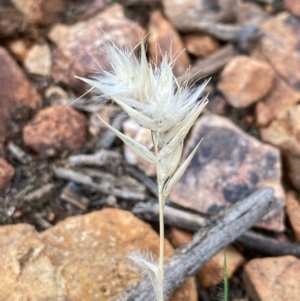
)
(151, 95)
(150, 89)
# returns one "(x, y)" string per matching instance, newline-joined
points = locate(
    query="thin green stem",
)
(225, 278)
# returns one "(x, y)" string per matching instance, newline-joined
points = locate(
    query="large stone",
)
(279, 45)
(84, 49)
(293, 213)
(275, 279)
(16, 91)
(164, 39)
(40, 11)
(81, 258)
(245, 80)
(281, 98)
(284, 132)
(6, 173)
(55, 129)
(229, 166)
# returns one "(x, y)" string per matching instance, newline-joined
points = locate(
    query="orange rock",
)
(163, 38)
(293, 211)
(40, 11)
(82, 258)
(16, 91)
(6, 173)
(279, 45)
(199, 44)
(83, 49)
(212, 272)
(179, 237)
(273, 279)
(284, 131)
(19, 48)
(228, 166)
(55, 128)
(280, 98)
(245, 80)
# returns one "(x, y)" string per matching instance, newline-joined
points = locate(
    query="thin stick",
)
(188, 259)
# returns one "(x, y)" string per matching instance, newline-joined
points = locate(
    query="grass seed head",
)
(152, 96)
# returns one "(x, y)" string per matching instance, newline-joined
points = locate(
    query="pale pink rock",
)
(245, 80)
(279, 45)
(83, 50)
(275, 279)
(228, 166)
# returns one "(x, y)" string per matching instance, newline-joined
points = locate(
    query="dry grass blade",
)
(180, 171)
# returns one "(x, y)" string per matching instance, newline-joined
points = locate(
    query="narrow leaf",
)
(180, 171)
(137, 148)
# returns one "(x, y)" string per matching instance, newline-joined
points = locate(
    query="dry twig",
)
(188, 259)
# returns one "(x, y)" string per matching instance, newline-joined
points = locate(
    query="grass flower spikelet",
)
(151, 95)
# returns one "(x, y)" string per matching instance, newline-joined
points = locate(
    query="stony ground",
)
(68, 187)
